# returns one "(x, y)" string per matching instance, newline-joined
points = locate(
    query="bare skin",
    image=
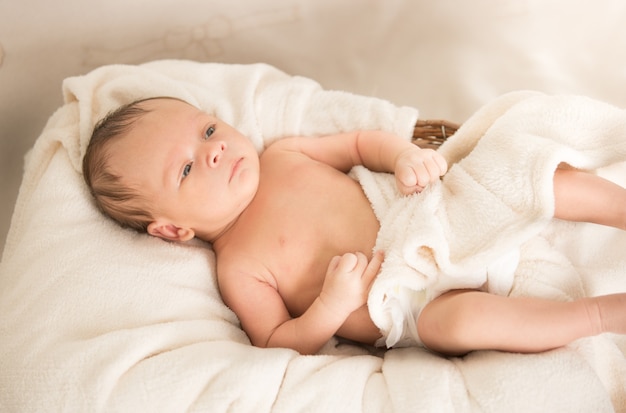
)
(294, 235)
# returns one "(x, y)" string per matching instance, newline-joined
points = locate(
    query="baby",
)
(293, 234)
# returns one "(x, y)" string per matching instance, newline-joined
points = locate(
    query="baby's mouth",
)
(235, 168)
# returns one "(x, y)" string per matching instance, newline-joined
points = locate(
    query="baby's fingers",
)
(347, 262)
(406, 175)
(373, 267)
(334, 262)
(436, 165)
(442, 163)
(412, 179)
(421, 169)
(427, 173)
(433, 172)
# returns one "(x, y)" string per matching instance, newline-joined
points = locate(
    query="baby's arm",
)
(380, 151)
(266, 320)
(414, 167)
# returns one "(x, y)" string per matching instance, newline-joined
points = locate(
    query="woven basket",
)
(432, 133)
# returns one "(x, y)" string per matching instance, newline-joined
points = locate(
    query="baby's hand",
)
(348, 281)
(416, 168)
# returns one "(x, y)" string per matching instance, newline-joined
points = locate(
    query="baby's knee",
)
(445, 325)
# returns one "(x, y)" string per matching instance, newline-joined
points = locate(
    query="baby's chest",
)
(318, 210)
(304, 215)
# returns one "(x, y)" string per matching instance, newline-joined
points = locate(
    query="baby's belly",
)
(315, 213)
(306, 246)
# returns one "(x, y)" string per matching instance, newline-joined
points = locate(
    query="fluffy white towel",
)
(467, 230)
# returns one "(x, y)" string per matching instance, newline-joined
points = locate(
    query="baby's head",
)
(164, 167)
(114, 197)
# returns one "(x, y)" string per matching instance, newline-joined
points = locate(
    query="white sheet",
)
(95, 318)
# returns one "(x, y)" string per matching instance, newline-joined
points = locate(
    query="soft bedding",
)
(96, 318)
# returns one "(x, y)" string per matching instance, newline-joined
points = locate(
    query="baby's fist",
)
(417, 168)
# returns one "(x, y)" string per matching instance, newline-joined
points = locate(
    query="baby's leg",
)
(465, 320)
(584, 197)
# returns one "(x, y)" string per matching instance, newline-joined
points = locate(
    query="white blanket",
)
(466, 231)
(96, 318)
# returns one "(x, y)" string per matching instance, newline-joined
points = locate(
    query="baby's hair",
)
(113, 197)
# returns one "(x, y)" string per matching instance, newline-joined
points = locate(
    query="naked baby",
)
(294, 235)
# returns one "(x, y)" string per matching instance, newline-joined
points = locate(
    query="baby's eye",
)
(186, 170)
(209, 132)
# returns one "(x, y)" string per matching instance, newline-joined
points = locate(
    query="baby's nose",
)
(215, 153)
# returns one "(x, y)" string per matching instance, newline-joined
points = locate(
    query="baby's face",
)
(198, 172)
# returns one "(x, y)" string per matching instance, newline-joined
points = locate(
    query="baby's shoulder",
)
(237, 269)
(239, 282)
(283, 153)
(287, 146)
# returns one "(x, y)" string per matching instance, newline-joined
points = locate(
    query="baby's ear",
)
(170, 232)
